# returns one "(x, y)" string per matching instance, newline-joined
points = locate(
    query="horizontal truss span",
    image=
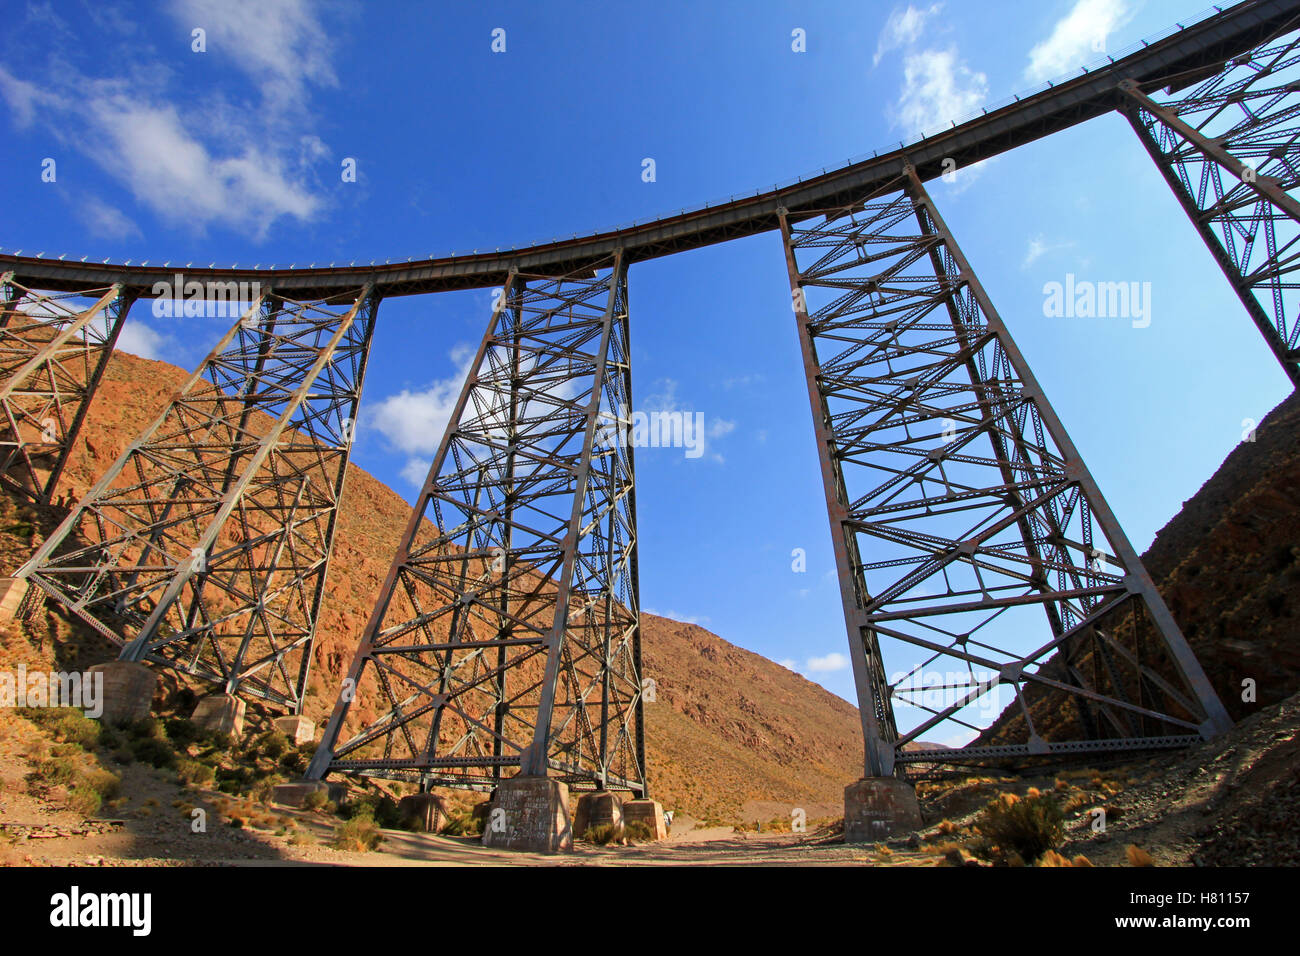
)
(1199, 50)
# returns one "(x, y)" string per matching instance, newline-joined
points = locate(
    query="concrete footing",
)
(12, 592)
(600, 809)
(128, 691)
(298, 729)
(220, 714)
(295, 794)
(423, 812)
(879, 808)
(532, 814)
(648, 812)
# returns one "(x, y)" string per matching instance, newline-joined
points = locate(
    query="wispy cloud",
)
(1039, 246)
(903, 28)
(937, 89)
(197, 162)
(104, 220)
(826, 664)
(279, 44)
(1081, 35)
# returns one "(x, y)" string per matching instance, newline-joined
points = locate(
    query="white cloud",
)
(937, 89)
(415, 471)
(903, 28)
(1039, 247)
(138, 339)
(831, 662)
(413, 422)
(199, 161)
(279, 44)
(104, 220)
(1080, 36)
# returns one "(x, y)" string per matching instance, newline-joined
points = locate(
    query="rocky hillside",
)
(730, 736)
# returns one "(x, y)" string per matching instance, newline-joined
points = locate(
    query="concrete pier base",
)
(128, 691)
(648, 812)
(879, 808)
(220, 714)
(423, 812)
(532, 814)
(599, 809)
(298, 729)
(295, 794)
(12, 592)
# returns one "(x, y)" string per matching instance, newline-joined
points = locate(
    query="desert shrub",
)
(464, 823)
(377, 805)
(639, 832)
(194, 772)
(316, 800)
(65, 724)
(144, 729)
(1138, 856)
(182, 731)
(604, 833)
(1030, 826)
(360, 835)
(272, 745)
(1052, 858)
(153, 751)
(293, 762)
(84, 800)
(107, 785)
(56, 771)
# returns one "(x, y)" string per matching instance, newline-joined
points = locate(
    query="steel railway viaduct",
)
(503, 652)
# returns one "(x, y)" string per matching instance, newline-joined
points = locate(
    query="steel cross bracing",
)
(205, 546)
(53, 351)
(962, 515)
(506, 637)
(1230, 150)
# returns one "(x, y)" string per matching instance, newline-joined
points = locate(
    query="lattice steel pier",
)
(970, 538)
(506, 637)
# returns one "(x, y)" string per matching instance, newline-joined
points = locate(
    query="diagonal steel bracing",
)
(205, 546)
(54, 348)
(506, 637)
(1230, 150)
(987, 587)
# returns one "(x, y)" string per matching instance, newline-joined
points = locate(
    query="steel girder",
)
(53, 352)
(1230, 150)
(204, 547)
(506, 637)
(961, 512)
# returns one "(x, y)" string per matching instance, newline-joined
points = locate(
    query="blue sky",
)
(234, 155)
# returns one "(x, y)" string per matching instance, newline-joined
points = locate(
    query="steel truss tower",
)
(961, 513)
(204, 547)
(506, 637)
(1230, 150)
(53, 351)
